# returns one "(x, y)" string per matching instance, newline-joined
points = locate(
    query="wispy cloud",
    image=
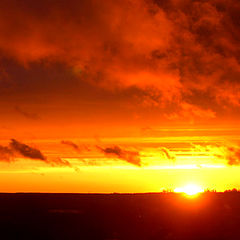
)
(6, 154)
(167, 153)
(231, 154)
(59, 162)
(132, 157)
(228, 152)
(26, 114)
(15, 148)
(76, 147)
(71, 144)
(26, 151)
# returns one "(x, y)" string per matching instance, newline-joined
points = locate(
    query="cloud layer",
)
(182, 52)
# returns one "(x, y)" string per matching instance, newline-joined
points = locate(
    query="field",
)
(148, 216)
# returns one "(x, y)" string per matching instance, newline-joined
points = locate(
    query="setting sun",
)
(190, 189)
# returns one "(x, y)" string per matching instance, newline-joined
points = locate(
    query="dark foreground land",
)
(120, 216)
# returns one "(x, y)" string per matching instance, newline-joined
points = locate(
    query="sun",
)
(190, 190)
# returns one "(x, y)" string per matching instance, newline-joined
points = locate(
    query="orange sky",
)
(119, 95)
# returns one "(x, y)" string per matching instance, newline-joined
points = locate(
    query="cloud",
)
(71, 144)
(10, 152)
(190, 112)
(6, 154)
(26, 151)
(233, 155)
(187, 52)
(230, 153)
(75, 146)
(26, 114)
(59, 162)
(167, 154)
(128, 156)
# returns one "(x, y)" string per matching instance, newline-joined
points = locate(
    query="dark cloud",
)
(16, 147)
(71, 144)
(6, 154)
(59, 162)
(26, 114)
(167, 154)
(26, 151)
(78, 148)
(174, 50)
(128, 156)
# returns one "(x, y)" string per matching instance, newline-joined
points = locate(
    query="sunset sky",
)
(119, 95)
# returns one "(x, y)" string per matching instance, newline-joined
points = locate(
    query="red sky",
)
(120, 68)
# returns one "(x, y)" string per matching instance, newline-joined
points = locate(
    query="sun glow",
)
(190, 190)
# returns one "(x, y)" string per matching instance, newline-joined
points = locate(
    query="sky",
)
(119, 95)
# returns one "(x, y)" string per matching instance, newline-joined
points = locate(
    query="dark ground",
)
(210, 216)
